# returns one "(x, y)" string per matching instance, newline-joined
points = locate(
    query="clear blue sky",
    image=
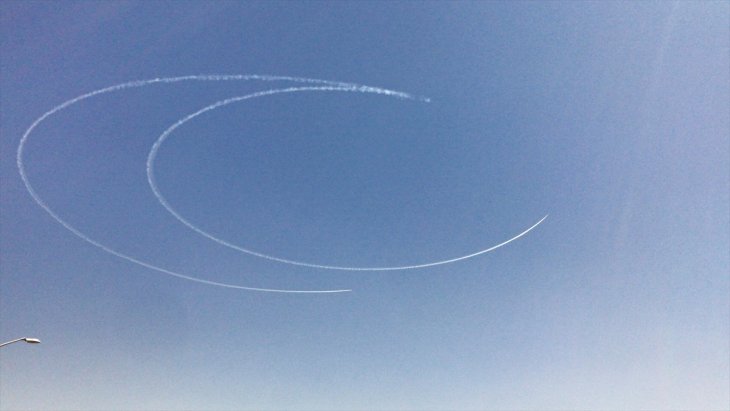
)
(613, 118)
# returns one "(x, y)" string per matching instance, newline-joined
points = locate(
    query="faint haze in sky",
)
(611, 117)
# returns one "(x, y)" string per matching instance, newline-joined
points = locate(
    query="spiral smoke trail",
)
(322, 86)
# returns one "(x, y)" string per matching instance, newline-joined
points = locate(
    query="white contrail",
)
(325, 86)
(348, 88)
(142, 83)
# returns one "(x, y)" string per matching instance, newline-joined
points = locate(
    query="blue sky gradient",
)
(611, 117)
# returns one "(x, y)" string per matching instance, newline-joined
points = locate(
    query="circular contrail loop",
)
(325, 85)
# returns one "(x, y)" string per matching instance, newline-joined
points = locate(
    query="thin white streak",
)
(142, 83)
(163, 201)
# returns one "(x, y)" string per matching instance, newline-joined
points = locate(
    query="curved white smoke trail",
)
(324, 85)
